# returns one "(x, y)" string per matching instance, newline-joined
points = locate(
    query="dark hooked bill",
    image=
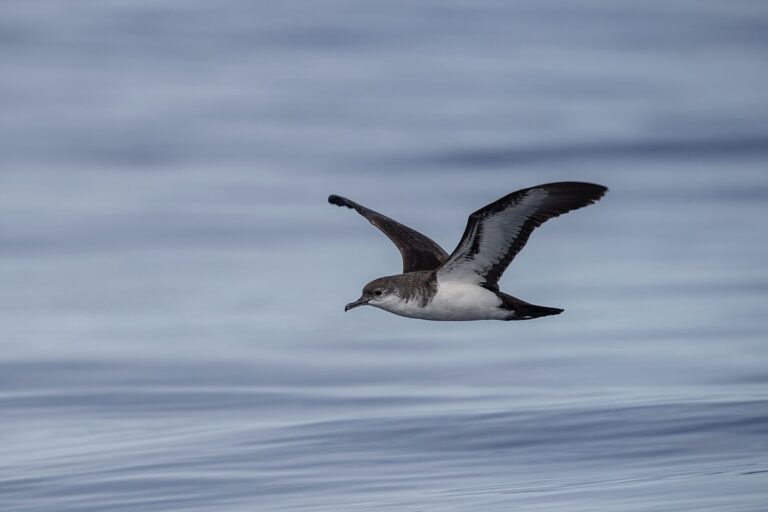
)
(358, 302)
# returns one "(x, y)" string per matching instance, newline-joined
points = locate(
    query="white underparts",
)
(453, 301)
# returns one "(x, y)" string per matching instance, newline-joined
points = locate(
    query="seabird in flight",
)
(464, 285)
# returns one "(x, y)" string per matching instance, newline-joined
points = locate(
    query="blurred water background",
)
(172, 335)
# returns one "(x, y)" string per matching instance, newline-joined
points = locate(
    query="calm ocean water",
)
(172, 334)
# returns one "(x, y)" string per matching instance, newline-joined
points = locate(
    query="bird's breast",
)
(453, 301)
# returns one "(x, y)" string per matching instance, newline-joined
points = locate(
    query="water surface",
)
(171, 317)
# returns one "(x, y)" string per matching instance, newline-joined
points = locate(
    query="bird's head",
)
(378, 293)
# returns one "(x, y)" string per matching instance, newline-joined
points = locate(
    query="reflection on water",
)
(172, 325)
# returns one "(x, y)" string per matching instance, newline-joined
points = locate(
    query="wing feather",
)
(419, 252)
(496, 233)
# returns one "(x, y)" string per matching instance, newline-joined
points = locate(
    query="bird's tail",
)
(522, 310)
(532, 311)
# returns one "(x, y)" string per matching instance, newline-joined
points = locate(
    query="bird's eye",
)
(377, 292)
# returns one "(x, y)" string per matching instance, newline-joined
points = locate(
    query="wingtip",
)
(588, 191)
(598, 190)
(584, 185)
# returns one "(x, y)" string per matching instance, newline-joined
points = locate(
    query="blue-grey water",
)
(172, 334)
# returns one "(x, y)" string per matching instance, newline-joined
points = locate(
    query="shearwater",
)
(464, 285)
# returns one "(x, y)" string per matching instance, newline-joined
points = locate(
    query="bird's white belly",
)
(454, 301)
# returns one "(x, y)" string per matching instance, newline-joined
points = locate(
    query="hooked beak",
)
(358, 302)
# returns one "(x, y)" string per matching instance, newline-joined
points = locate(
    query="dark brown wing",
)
(497, 232)
(419, 252)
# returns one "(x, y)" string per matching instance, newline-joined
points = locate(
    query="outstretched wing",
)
(419, 252)
(497, 232)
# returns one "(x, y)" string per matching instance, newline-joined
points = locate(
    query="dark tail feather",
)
(522, 310)
(532, 311)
